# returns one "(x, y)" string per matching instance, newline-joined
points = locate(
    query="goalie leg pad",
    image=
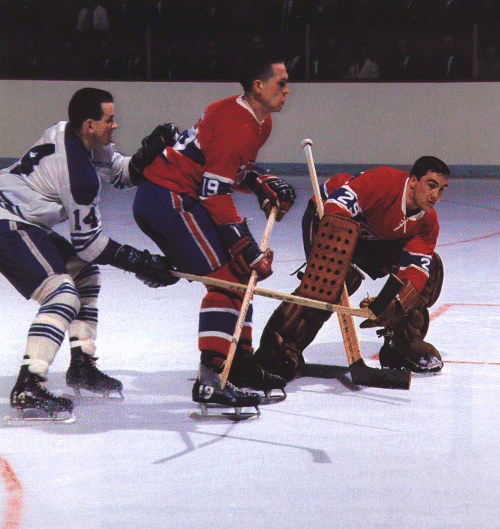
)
(289, 330)
(330, 258)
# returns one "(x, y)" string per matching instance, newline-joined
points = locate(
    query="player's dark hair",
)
(86, 104)
(429, 163)
(255, 65)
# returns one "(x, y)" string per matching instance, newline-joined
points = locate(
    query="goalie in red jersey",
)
(398, 232)
(185, 205)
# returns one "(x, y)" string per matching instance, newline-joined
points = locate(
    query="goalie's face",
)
(425, 193)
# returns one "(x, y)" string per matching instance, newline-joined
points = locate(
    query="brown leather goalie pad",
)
(330, 258)
(291, 327)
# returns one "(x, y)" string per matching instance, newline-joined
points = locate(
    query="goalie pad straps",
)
(330, 258)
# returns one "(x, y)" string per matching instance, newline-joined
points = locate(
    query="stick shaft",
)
(273, 294)
(246, 301)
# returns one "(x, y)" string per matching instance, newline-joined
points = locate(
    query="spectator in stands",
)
(136, 60)
(65, 63)
(404, 63)
(488, 66)
(32, 64)
(257, 42)
(364, 67)
(92, 17)
(325, 65)
(449, 64)
(176, 64)
(214, 66)
(106, 65)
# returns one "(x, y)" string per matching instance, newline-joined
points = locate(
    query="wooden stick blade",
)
(363, 375)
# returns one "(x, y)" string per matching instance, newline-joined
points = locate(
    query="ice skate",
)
(84, 374)
(415, 360)
(207, 390)
(34, 403)
(246, 372)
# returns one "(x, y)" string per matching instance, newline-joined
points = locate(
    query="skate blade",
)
(273, 399)
(94, 398)
(51, 418)
(236, 416)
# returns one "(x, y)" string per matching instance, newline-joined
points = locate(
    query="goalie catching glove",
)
(163, 136)
(407, 298)
(271, 191)
(152, 270)
(246, 256)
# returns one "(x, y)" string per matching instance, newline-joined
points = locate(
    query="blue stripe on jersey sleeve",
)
(423, 262)
(83, 178)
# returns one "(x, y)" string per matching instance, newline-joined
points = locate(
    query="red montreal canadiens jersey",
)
(210, 157)
(377, 200)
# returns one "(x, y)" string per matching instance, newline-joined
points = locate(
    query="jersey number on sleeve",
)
(32, 158)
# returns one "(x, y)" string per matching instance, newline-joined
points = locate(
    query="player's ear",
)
(88, 126)
(257, 86)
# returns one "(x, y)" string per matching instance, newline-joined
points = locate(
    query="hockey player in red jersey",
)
(185, 205)
(398, 233)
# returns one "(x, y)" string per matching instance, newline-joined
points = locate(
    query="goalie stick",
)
(361, 374)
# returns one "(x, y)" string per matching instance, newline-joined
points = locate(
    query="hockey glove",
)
(162, 136)
(152, 270)
(246, 256)
(407, 298)
(271, 191)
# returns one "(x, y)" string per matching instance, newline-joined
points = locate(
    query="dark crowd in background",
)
(319, 40)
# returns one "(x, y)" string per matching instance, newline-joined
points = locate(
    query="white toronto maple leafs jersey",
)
(57, 180)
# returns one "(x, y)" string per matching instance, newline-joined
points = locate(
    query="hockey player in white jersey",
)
(58, 179)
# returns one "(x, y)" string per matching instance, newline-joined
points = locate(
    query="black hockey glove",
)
(246, 256)
(152, 270)
(271, 191)
(162, 136)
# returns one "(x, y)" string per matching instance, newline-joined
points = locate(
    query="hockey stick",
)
(361, 374)
(273, 294)
(249, 291)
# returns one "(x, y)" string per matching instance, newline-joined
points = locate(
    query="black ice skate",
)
(416, 360)
(207, 390)
(84, 374)
(246, 372)
(30, 395)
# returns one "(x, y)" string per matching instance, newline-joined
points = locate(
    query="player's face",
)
(275, 89)
(103, 129)
(425, 193)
